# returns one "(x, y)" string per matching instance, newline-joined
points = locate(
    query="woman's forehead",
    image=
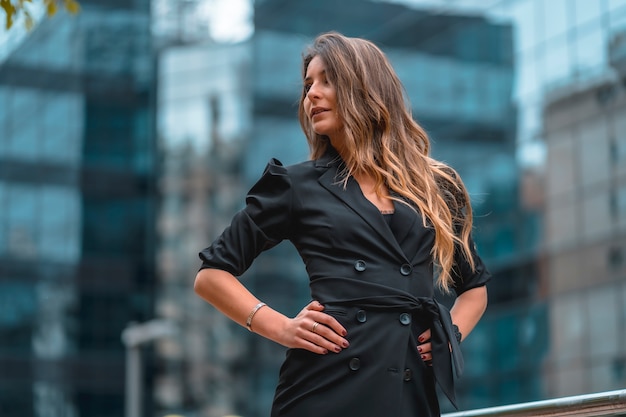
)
(316, 64)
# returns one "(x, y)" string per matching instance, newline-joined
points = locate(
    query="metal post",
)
(133, 381)
(133, 336)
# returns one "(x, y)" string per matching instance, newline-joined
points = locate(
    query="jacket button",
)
(355, 364)
(405, 318)
(359, 265)
(408, 374)
(361, 317)
(406, 269)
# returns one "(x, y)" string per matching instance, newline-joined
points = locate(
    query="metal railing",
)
(610, 403)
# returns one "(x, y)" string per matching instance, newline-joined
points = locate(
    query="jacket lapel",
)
(352, 196)
(414, 239)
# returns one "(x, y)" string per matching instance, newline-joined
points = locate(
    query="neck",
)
(338, 142)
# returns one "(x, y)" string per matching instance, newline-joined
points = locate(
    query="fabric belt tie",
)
(446, 350)
(445, 357)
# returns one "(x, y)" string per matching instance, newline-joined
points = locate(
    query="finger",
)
(308, 335)
(315, 326)
(425, 348)
(424, 336)
(426, 357)
(331, 323)
(328, 338)
(332, 329)
(312, 347)
(325, 319)
(314, 306)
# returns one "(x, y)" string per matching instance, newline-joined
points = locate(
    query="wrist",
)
(253, 312)
(270, 324)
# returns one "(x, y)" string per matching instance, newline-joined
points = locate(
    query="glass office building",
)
(565, 335)
(204, 121)
(584, 124)
(77, 208)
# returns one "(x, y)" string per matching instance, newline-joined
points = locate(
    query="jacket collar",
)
(330, 158)
(351, 195)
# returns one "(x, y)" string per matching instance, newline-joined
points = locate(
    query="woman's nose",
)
(313, 92)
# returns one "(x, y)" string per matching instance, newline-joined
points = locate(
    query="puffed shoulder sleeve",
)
(260, 225)
(464, 277)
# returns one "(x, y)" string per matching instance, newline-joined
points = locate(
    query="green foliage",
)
(13, 8)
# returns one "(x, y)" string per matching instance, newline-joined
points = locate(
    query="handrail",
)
(610, 403)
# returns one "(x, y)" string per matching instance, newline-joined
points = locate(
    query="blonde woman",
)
(374, 219)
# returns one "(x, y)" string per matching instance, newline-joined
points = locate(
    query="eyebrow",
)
(307, 79)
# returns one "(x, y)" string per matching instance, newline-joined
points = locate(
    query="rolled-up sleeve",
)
(260, 225)
(464, 277)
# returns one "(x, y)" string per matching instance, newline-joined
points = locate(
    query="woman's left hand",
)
(425, 348)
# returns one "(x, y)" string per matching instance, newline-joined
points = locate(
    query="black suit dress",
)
(374, 277)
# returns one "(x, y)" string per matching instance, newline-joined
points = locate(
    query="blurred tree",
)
(13, 8)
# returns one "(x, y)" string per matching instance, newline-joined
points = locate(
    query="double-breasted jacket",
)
(374, 277)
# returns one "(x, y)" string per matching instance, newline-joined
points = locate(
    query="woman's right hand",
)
(224, 291)
(315, 331)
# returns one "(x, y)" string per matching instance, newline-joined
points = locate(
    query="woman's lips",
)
(317, 111)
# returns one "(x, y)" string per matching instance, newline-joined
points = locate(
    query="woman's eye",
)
(307, 87)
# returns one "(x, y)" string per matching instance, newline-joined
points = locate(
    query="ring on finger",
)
(315, 326)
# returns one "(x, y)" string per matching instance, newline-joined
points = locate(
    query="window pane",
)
(617, 4)
(617, 19)
(525, 25)
(3, 217)
(590, 50)
(592, 138)
(568, 323)
(596, 215)
(586, 11)
(555, 17)
(58, 233)
(24, 141)
(22, 221)
(526, 82)
(604, 323)
(558, 64)
(560, 166)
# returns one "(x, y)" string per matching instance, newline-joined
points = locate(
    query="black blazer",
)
(375, 278)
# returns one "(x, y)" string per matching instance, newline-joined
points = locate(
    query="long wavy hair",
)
(382, 139)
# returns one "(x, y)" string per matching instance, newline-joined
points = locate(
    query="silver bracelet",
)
(251, 315)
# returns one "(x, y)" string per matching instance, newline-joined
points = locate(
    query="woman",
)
(371, 214)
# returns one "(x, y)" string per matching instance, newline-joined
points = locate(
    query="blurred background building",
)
(131, 132)
(205, 121)
(585, 212)
(77, 209)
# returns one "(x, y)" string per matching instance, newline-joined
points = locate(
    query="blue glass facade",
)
(525, 98)
(203, 124)
(77, 202)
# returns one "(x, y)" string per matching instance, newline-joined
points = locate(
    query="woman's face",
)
(320, 102)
